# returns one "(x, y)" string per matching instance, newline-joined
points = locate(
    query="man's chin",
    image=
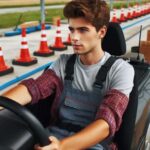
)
(77, 52)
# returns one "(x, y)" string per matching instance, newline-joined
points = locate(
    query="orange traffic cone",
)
(122, 16)
(4, 69)
(114, 18)
(68, 42)
(134, 13)
(142, 11)
(44, 49)
(25, 58)
(58, 40)
(129, 16)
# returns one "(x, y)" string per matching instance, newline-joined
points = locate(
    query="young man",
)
(86, 115)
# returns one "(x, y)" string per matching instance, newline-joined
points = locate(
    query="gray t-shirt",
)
(120, 76)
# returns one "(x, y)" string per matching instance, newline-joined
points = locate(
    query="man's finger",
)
(53, 139)
(37, 147)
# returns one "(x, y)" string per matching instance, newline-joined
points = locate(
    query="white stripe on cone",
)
(58, 34)
(44, 39)
(1, 53)
(43, 32)
(24, 46)
(24, 39)
(58, 28)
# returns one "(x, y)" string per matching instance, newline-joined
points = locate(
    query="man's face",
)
(85, 38)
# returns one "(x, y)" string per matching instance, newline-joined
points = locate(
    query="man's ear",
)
(102, 32)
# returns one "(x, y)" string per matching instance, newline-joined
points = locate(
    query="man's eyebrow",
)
(79, 28)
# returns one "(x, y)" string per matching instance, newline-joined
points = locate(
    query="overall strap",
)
(100, 79)
(102, 73)
(69, 70)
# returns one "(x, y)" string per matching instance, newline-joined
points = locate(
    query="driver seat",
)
(114, 43)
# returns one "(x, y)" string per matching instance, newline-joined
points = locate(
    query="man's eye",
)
(83, 30)
(71, 30)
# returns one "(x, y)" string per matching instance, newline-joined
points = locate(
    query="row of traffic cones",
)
(25, 58)
(137, 12)
(44, 51)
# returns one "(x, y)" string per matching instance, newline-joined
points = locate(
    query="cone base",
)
(121, 21)
(43, 54)
(58, 48)
(16, 62)
(67, 43)
(116, 21)
(130, 18)
(7, 71)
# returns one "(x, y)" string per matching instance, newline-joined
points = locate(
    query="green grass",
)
(11, 19)
(31, 5)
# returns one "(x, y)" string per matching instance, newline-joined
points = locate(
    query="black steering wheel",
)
(36, 127)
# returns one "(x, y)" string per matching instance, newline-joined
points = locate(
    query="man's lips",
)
(76, 45)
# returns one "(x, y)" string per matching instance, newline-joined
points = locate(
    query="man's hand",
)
(55, 145)
(1, 108)
(87, 137)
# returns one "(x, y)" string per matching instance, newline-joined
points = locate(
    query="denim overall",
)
(78, 108)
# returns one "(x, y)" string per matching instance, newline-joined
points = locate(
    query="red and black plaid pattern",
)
(112, 109)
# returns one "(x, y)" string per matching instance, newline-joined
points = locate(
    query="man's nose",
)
(75, 37)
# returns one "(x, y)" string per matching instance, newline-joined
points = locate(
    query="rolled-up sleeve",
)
(43, 86)
(112, 109)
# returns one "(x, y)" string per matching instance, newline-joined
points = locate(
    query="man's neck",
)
(90, 58)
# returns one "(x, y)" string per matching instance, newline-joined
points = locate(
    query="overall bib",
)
(77, 110)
